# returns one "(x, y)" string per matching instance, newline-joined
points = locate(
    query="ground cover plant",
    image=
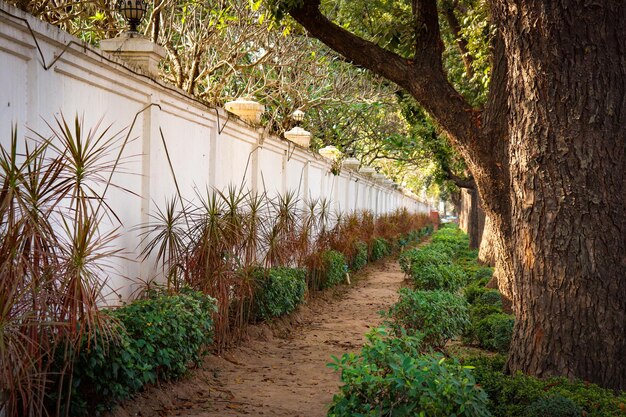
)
(157, 339)
(521, 395)
(391, 376)
(279, 290)
(437, 315)
(380, 249)
(334, 268)
(360, 257)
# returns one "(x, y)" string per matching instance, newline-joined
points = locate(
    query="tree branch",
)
(423, 76)
(358, 50)
(428, 44)
(455, 27)
(469, 183)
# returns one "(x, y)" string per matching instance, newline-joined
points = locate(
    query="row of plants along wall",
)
(442, 351)
(231, 244)
(159, 336)
(227, 258)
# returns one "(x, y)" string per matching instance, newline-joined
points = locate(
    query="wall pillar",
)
(137, 51)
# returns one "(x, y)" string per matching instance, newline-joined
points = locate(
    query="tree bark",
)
(471, 217)
(477, 221)
(547, 154)
(566, 243)
(486, 250)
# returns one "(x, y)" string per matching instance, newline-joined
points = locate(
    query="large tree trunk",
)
(471, 217)
(487, 249)
(477, 221)
(548, 156)
(565, 244)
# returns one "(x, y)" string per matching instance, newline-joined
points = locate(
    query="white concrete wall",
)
(207, 147)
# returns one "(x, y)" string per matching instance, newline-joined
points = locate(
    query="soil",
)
(280, 369)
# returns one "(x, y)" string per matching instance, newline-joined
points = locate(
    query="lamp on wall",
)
(298, 116)
(133, 11)
(298, 135)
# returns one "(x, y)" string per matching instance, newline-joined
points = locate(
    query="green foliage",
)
(389, 377)
(490, 298)
(420, 257)
(512, 395)
(472, 268)
(490, 326)
(434, 277)
(483, 274)
(279, 291)
(443, 248)
(380, 249)
(278, 8)
(480, 277)
(335, 268)
(158, 338)
(556, 406)
(494, 332)
(438, 315)
(360, 256)
(432, 267)
(474, 291)
(454, 238)
(479, 312)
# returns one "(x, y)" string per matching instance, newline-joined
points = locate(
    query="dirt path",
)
(280, 371)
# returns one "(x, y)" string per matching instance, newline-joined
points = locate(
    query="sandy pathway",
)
(280, 371)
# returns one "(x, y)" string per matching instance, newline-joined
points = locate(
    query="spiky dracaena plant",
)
(167, 237)
(282, 237)
(52, 259)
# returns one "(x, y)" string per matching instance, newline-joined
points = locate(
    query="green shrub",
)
(490, 298)
(158, 338)
(414, 236)
(438, 315)
(509, 395)
(473, 292)
(419, 257)
(556, 406)
(360, 256)
(494, 332)
(453, 238)
(478, 312)
(482, 275)
(335, 268)
(380, 249)
(468, 261)
(425, 231)
(512, 395)
(442, 248)
(405, 260)
(279, 291)
(435, 277)
(389, 377)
